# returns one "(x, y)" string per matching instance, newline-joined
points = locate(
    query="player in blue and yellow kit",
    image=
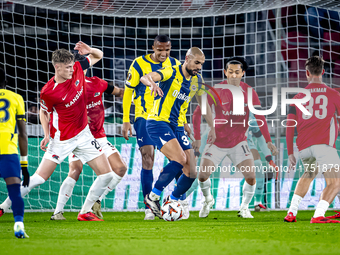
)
(165, 124)
(12, 118)
(143, 103)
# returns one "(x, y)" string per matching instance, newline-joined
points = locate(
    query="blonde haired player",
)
(95, 87)
(63, 101)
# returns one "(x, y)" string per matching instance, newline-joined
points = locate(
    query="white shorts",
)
(107, 147)
(83, 145)
(237, 154)
(324, 155)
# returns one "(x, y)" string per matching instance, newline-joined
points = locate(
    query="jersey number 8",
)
(4, 105)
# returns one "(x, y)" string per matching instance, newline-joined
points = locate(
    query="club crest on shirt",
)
(43, 102)
(129, 77)
(77, 83)
(96, 94)
(193, 87)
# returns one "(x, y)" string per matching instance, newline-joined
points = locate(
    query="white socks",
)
(248, 193)
(112, 185)
(294, 205)
(97, 189)
(205, 187)
(321, 208)
(65, 193)
(35, 181)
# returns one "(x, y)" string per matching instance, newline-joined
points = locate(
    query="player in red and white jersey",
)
(95, 87)
(231, 138)
(63, 100)
(316, 138)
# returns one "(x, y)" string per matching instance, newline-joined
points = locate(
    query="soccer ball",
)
(172, 211)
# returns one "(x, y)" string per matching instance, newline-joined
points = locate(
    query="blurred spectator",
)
(32, 114)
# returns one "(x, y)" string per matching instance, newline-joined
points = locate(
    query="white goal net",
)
(275, 37)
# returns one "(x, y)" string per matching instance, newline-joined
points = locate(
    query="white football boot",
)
(186, 212)
(245, 213)
(149, 215)
(207, 205)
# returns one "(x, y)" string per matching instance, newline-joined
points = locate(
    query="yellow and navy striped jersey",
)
(11, 108)
(178, 92)
(142, 97)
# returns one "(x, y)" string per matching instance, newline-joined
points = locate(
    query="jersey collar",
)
(148, 59)
(180, 70)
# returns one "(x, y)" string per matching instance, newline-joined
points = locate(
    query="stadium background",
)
(275, 40)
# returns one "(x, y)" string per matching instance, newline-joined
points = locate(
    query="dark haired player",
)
(231, 140)
(12, 118)
(143, 103)
(316, 138)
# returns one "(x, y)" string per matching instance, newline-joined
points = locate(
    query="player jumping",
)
(178, 85)
(63, 106)
(12, 117)
(316, 138)
(95, 87)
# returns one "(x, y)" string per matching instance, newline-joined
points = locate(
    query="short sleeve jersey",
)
(11, 108)
(321, 126)
(231, 129)
(95, 87)
(142, 97)
(178, 92)
(66, 103)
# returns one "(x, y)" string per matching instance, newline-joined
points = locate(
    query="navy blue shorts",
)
(142, 135)
(162, 132)
(10, 166)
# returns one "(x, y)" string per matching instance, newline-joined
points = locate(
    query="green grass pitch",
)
(128, 233)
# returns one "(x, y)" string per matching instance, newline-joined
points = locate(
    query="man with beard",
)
(165, 124)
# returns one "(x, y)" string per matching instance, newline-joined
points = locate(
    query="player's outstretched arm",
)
(94, 54)
(118, 92)
(150, 80)
(44, 120)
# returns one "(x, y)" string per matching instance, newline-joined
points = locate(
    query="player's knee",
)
(74, 173)
(250, 180)
(203, 176)
(181, 158)
(120, 170)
